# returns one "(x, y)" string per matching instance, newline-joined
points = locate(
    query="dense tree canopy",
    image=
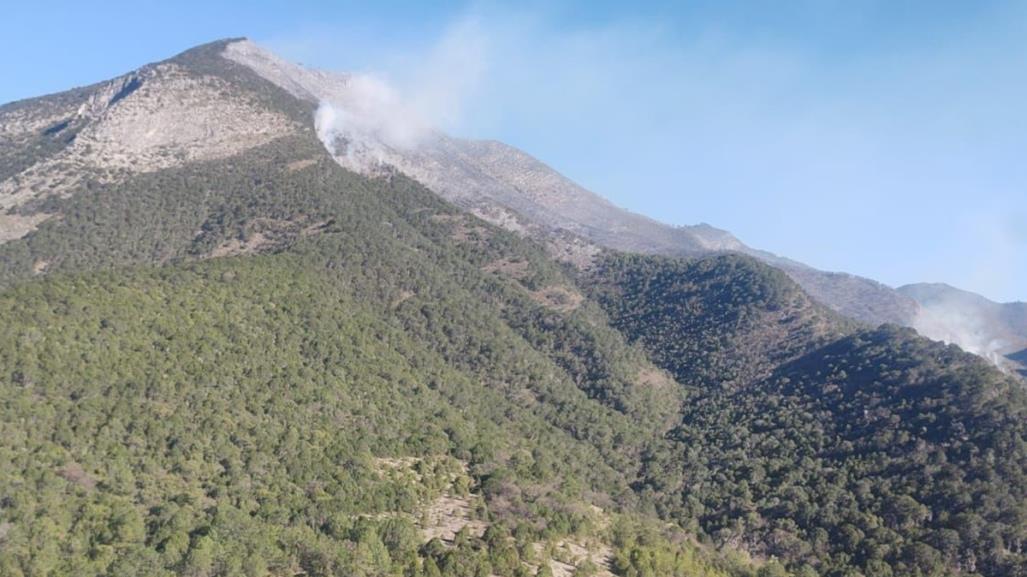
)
(879, 450)
(267, 365)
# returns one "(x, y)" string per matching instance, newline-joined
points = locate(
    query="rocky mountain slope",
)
(123, 127)
(249, 359)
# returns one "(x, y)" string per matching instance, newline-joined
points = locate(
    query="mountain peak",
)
(302, 82)
(193, 107)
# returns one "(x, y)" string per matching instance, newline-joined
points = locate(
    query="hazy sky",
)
(887, 139)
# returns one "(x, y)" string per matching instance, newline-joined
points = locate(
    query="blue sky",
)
(883, 138)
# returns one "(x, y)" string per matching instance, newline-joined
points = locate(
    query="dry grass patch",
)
(266, 234)
(558, 298)
(15, 226)
(463, 228)
(447, 516)
(517, 269)
(569, 554)
(298, 165)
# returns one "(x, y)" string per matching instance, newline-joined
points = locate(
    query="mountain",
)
(231, 346)
(994, 330)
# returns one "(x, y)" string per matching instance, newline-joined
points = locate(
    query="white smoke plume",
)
(953, 324)
(362, 125)
(372, 117)
(975, 324)
(996, 253)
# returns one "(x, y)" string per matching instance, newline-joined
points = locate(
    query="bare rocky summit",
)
(158, 117)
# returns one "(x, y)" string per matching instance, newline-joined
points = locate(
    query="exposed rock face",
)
(301, 82)
(472, 173)
(158, 117)
(14, 226)
(173, 117)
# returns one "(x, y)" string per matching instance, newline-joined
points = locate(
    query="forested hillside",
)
(263, 364)
(880, 450)
(226, 415)
(232, 418)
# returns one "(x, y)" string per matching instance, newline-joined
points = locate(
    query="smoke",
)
(975, 324)
(377, 115)
(953, 323)
(360, 125)
(994, 249)
(441, 84)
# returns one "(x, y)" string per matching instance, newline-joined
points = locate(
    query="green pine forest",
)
(269, 366)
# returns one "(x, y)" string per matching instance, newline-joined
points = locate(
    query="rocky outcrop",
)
(158, 117)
